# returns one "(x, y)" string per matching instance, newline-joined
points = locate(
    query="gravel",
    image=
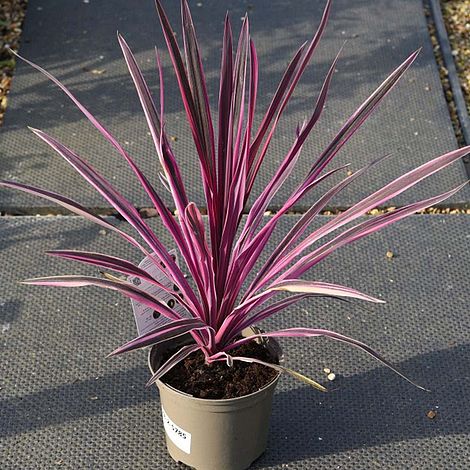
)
(457, 19)
(12, 14)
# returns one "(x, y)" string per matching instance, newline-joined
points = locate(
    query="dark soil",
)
(218, 380)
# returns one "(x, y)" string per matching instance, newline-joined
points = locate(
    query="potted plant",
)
(215, 369)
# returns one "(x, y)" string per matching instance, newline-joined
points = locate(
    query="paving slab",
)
(63, 404)
(78, 44)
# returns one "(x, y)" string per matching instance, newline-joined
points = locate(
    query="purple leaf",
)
(72, 206)
(321, 288)
(180, 355)
(308, 332)
(126, 209)
(118, 265)
(284, 92)
(349, 128)
(155, 126)
(299, 228)
(379, 197)
(161, 334)
(123, 287)
(361, 230)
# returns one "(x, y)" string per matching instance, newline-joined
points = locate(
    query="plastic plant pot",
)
(214, 434)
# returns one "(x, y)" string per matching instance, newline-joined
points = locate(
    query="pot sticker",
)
(179, 437)
(146, 318)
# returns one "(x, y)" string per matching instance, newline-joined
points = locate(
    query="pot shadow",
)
(71, 401)
(371, 409)
(366, 410)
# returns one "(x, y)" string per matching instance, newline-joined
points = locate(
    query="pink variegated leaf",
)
(271, 310)
(237, 321)
(160, 334)
(346, 132)
(155, 126)
(361, 230)
(255, 160)
(192, 112)
(317, 332)
(286, 167)
(180, 355)
(300, 227)
(392, 189)
(159, 205)
(99, 126)
(119, 265)
(284, 93)
(359, 117)
(224, 151)
(126, 209)
(321, 288)
(243, 262)
(205, 277)
(123, 287)
(72, 206)
(235, 177)
(197, 82)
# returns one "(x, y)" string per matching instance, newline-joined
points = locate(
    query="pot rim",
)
(213, 401)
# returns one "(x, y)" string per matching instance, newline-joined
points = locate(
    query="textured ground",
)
(64, 404)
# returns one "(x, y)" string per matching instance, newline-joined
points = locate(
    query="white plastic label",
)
(179, 437)
(146, 318)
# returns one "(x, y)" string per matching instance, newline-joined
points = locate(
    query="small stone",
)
(349, 173)
(326, 370)
(389, 254)
(331, 377)
(173, 138)
(431, 414)
(94, 398)
(146, 212)
(103, 232)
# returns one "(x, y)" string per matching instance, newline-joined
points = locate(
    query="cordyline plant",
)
(220, 306)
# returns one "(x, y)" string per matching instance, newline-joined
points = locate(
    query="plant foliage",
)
(220, 304)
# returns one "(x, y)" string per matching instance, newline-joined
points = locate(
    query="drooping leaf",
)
(316, 332)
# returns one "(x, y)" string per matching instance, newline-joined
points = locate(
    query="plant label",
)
(146, 318)
(179, 437)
